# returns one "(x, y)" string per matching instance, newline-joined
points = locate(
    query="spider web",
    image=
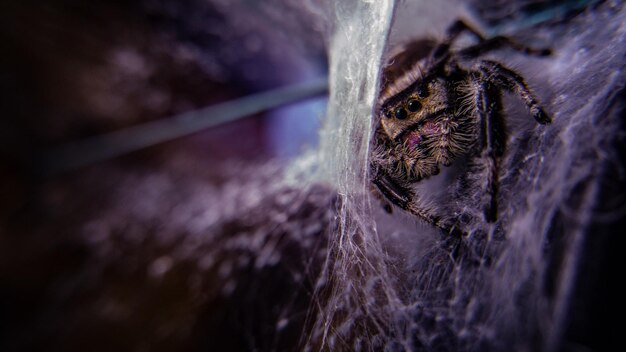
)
(392, 283)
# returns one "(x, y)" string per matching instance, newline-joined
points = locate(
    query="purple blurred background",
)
(113, 256)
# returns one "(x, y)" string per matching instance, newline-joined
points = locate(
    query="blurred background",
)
(85, 252)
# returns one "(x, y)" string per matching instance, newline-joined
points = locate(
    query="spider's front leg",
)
(492, 79)
(484, 44)
(499, 42)
(457, 28)
(513, 82)
(407, 200)
(494, 136)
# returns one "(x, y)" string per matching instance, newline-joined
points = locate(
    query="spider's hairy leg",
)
(406, 199)
(499, 42)
(492, 117)
(494, 136)
(459, 26)
(375, 190)
(513, 82)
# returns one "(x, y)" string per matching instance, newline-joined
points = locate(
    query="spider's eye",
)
(400, 114)
(387, 113)
(414, 105)
(423, 91)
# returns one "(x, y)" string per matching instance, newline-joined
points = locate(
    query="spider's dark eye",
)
(400, 113)
(423, 91)
(414, 105)
(387, 113)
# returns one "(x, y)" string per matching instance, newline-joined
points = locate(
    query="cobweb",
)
(391, 283)
(355, 282)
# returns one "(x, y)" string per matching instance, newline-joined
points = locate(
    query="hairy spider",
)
(432, 111)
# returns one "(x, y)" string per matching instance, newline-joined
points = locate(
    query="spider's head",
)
(411, 114)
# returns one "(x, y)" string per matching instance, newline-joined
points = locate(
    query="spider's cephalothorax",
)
(432, 110)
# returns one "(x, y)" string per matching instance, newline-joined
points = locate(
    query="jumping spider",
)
(438, 111)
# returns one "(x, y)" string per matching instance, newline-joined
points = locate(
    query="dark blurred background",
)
(98, 258)
(72, 69)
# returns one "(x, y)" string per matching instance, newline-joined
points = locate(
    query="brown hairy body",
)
(432, 110)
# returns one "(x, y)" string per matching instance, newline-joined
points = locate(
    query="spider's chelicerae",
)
(437, 105)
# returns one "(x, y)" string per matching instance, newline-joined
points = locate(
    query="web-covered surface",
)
(505, 286)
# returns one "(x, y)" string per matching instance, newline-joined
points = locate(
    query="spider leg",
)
(494, 142)
(495, 77)
(459, 26)
(484, 44)
(442, 55)
(513, 82)
(381, 198)
(406, 199)
(498, 42)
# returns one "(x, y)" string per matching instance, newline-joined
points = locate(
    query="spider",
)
(432, 110)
